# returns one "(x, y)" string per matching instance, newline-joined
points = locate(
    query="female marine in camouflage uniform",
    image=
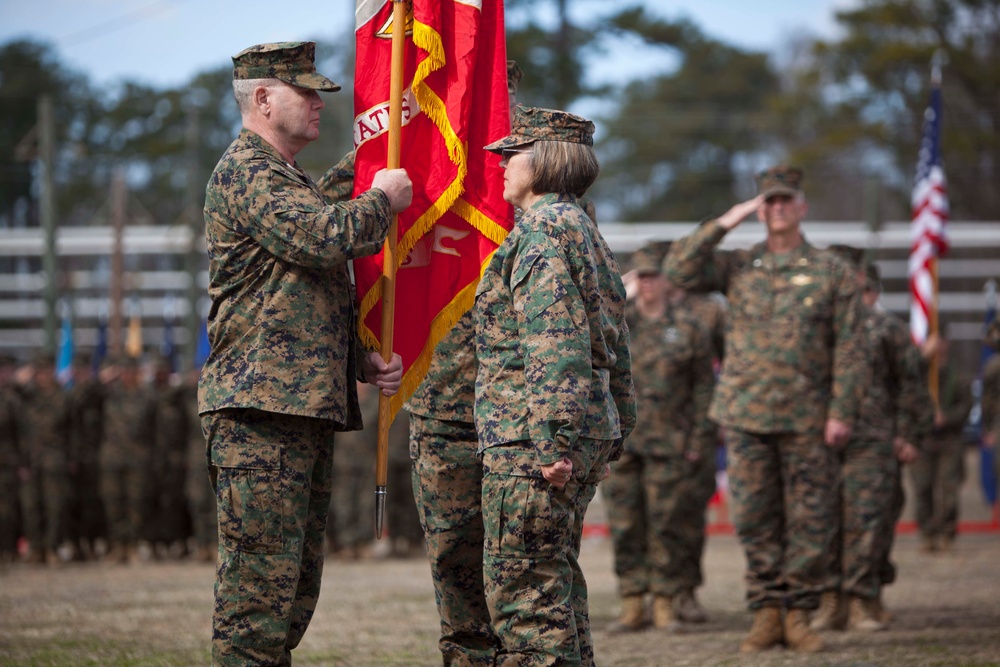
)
(554, 395)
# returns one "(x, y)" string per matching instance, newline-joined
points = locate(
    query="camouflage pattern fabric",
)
(272, 475)
(551, 331)
(884, 567)
(402, 517)
(9, 464)
(282, 323)
(991, 399)
(783, 510)
(554, 381)
(44, 446)
(535, 589)
(86, 400)
(126, 455)
(532, 124)
(939, 471)
(654, 491)
(794, 353)
(291, 62)
(448, 390)
(447, 483)
(337, 183)
(197, 484)
(896, 403)
(168, 463)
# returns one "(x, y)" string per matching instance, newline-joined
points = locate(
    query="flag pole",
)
(933, 375)
(385, 415)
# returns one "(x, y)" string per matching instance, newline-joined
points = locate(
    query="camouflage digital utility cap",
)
(649, 258)
(514, 74)
(291, 62)
(781, 180)
(533, 124)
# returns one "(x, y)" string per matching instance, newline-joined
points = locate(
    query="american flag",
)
(930, 217)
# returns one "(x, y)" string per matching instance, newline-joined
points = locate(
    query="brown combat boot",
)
(798, 636)
(687, 608)
(862, 615)
(766, 631)
(831, 614)
(663, 614)
(881, 613)
(632, 618)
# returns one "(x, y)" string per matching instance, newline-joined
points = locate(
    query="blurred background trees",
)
(679, 143)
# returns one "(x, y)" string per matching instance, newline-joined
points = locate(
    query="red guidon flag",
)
(454, 103)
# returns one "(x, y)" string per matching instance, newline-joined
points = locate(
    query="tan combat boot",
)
(798, 636)
(663, 614)
(633, 616)
(862, 616)
(766, 631)
(687, 608)
(831, 613)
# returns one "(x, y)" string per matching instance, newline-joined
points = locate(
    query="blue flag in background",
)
(987, 454)
(204, 348)
(64, 360)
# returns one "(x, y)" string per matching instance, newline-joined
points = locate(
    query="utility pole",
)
(46, 154)
(196, 224)
(116, 288)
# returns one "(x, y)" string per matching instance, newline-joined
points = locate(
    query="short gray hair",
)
(243, 91)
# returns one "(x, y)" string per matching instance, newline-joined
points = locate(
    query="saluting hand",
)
(385, 376)
(738, 213)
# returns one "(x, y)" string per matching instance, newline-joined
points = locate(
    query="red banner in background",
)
(455, 102)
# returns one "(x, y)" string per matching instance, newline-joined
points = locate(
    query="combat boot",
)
(765, 632)
(881, 613)
(798, 636)
(663, 614)
(687, 608)
(831, 613)
(633, 616)
(862, 616)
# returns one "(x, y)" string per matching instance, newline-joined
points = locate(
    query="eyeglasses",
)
(508, 153)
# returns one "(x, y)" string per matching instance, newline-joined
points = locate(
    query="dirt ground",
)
(381, 612)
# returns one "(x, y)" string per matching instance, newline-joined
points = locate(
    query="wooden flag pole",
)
(934, 371)
(399, 11)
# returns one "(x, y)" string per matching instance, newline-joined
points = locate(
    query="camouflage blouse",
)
(795, 353)
(282, 323)
(551, 337)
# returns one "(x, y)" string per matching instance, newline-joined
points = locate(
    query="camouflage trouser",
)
(866, 470)
(123, 490)
(43, 507)
(448, 487)
(783, 499)
(535, 589)
(272, 475)
(9, 520)
(87, 513)
(893, 510)
(171, 505)
(937, 478)
(656, 511)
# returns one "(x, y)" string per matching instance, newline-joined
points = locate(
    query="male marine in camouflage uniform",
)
(788, 394)
(654, 492)
(86, 400)
(991, 394)
(554, 394)
(125, 459)
(938, 472)
(280, 379)
(10, 409)
(169, 460)
(44, 449)
(894, 414)
(448, 485)
(197, 487)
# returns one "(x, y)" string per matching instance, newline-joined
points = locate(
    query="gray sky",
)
(165, 42)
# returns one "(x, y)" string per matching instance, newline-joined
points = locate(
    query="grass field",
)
(381, 613)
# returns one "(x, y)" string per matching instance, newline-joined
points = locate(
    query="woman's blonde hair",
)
(564, 167)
